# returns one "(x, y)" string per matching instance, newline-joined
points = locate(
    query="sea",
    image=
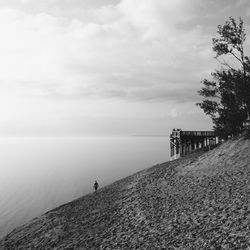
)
(38, 174)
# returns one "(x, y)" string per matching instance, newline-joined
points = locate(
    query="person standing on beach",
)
(96, 185)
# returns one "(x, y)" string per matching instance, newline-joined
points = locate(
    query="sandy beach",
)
(197, 202)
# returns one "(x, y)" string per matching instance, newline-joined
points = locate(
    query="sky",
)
(107, 67)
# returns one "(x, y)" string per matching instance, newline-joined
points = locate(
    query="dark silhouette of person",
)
(96, 185)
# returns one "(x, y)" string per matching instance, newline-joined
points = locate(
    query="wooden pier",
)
(185, 142)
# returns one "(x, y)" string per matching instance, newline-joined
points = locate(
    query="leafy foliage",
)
(227, 95)
(232, 37)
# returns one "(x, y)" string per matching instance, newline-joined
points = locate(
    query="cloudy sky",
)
(76, 67)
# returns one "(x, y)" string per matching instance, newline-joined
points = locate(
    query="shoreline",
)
(197, 201)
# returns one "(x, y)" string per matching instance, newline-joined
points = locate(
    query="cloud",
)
(25, 1)
(134, 50)
(106, 66)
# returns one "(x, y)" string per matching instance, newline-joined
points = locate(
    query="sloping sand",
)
(198, 202)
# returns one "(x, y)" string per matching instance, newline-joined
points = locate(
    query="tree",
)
(227, 95)
(230, 42)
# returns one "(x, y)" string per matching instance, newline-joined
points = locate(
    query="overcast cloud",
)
(62, 60)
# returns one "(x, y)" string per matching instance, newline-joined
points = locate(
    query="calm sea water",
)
(38, 174)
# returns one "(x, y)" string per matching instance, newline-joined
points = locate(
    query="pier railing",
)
(185, 142)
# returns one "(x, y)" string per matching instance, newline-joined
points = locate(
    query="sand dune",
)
(201, 201)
